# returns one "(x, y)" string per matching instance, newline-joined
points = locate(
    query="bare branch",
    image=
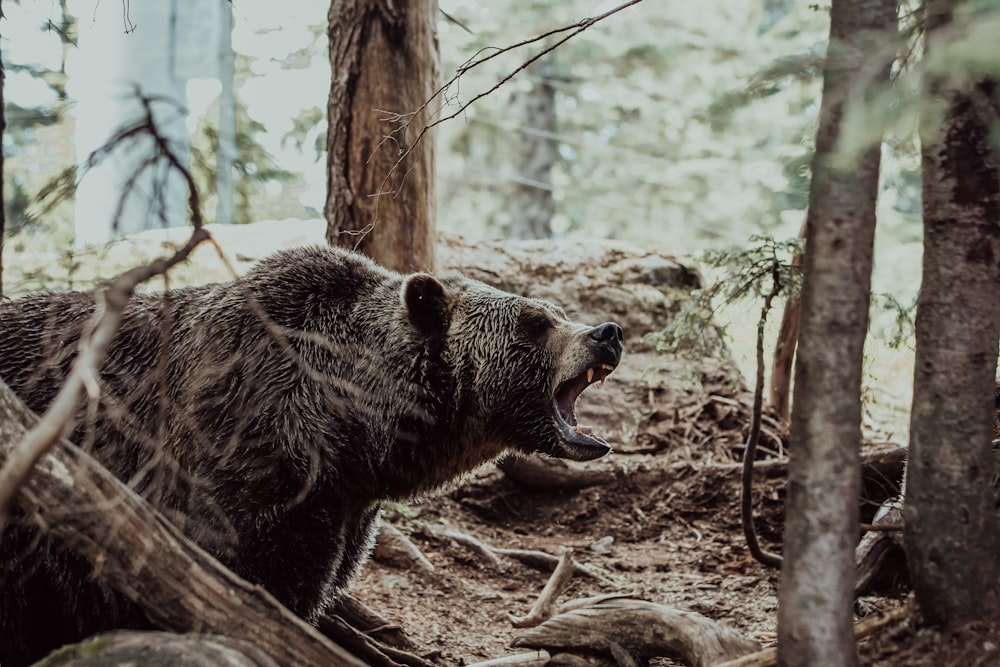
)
(403, 120)
(58, 419)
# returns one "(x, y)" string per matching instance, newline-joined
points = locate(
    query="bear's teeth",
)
(590, 375)
(584, 430)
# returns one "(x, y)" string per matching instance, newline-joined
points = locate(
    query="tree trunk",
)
(951, 531)
(784, 349)
(532, 205)
(821, 528)
(380, 172)
(136, 551)
(3, 131)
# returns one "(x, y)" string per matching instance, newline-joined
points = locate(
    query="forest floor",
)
(667, 530)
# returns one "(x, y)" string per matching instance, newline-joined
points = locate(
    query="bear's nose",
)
(607, 333)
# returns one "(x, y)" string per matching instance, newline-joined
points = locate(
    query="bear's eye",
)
(535, 325)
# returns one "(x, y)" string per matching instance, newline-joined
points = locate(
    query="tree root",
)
(373, 624)
(394, 548)
(633, 631)
(374, 652)
(548, 563)
(466, 540)
(769, 656)
(551, 475)
(532, 558)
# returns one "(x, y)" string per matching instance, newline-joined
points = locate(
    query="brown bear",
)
(271, 416)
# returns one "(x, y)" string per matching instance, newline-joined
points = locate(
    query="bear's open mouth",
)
(565, 412)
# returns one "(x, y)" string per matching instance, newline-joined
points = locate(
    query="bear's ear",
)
(425, 304)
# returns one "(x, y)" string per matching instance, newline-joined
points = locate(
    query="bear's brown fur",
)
(271, 416)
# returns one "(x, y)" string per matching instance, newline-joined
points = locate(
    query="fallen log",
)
(158, 649)
(139, 553)
(634, 631)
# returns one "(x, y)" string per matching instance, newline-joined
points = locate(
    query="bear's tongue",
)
(565, 403)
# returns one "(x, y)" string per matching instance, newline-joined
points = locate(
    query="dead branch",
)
(642, 630)
(396, 549)
(875, 545)
(542, 609)
(533, 659)
(57, 421)
(403, 120)
(553, 475)
(146, 558)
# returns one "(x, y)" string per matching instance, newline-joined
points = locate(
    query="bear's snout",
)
(610, 339)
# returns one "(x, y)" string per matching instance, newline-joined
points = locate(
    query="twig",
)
(541, 611)
(881, 528)
(403, 126)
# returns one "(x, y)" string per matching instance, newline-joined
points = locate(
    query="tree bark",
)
(951, 531)
(380, 172)
(784, 350)
(532, 205)
(136, 551)
(821, 528)
(3, 131)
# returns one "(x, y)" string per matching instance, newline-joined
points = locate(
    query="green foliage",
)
(253, 165)
(902, 329)
(679, 123)
(302, 125)
(762, 269)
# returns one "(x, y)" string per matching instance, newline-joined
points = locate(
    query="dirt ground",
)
(666, 529)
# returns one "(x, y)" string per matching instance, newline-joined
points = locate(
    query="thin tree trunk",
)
(821, 528)
(784, 349)
(951, 532)
(380, 184)
(532, 204)
(3, 131)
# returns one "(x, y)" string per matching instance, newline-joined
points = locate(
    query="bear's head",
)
(519, 363)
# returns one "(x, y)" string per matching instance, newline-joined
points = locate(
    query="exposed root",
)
(548, 562)
(369, 649)
(470, 542)
(552, 475)
(394, 548)
(633, 631)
